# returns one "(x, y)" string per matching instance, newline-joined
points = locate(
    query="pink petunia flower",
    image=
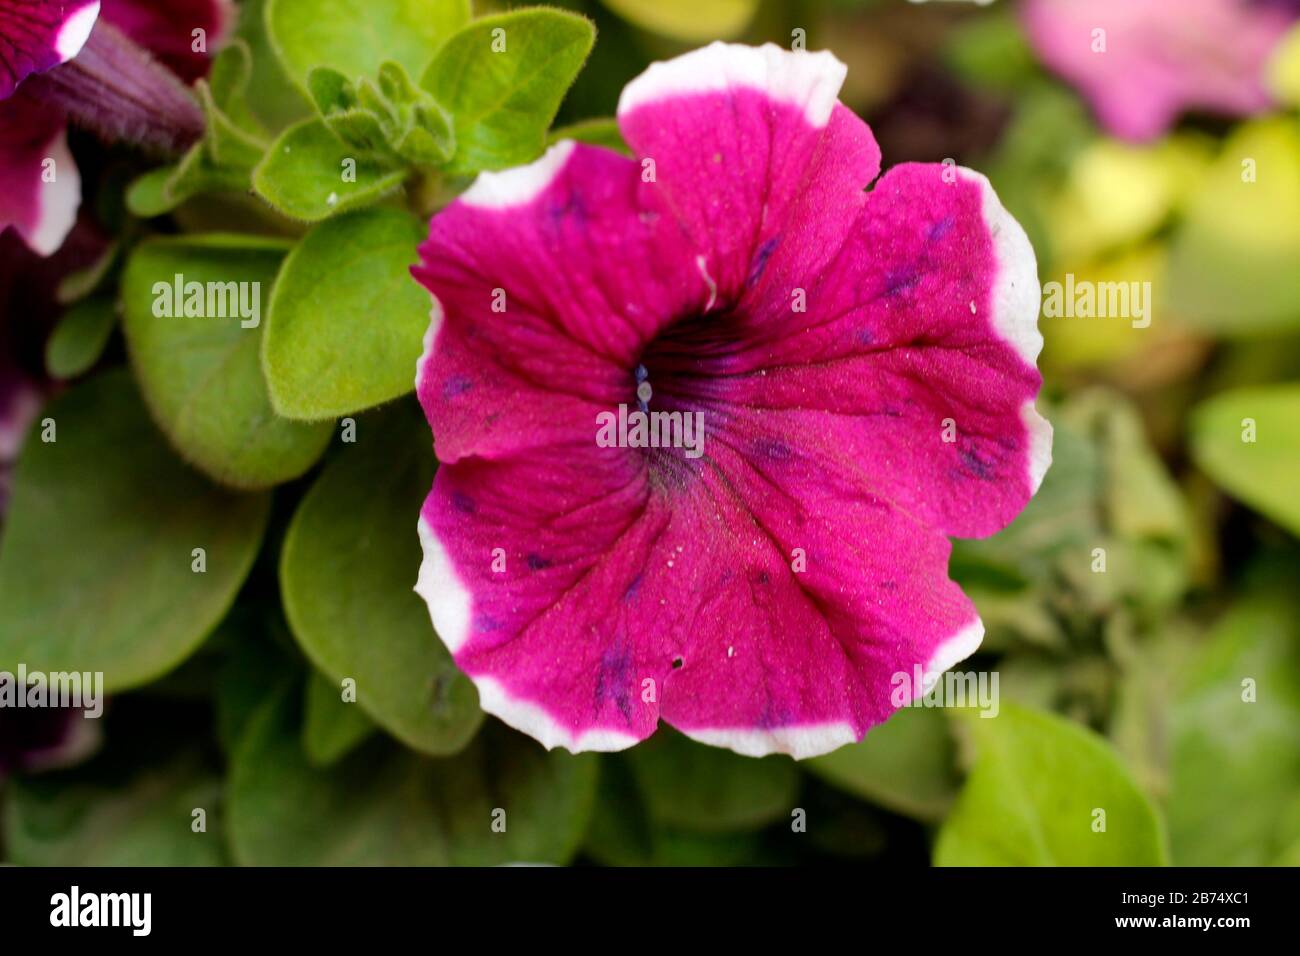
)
(861, 363)
(93, 63)
(1143, 62)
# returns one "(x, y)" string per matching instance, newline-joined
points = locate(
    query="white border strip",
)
(810, 81)
(521, 184)
(799, 741)
(76, 31)
(1016, 293)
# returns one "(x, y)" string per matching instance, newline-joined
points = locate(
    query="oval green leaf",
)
(193, 324)
(523, 63)
(311, 174)
(347, 573)
(1248, 441)
(356, 36)
(1035, 798)
(97, 559)
(346, 322)
(80, 337)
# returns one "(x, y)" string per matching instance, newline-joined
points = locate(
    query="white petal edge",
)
(450, 608)
(799, 741)
(810, 81)
(951, 650)
(57, 202)
(450, 605)
(521, 184)
(1040, 444)
(533, 720)
(436, 315)
(76, 31)
(1016, 296)
(1017, 300)
(812, 740)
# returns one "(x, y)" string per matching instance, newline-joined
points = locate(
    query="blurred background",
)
(1146, 598)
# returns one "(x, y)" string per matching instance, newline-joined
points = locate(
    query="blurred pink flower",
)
(1143, 62)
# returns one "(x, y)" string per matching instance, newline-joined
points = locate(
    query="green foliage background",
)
(1121, 690)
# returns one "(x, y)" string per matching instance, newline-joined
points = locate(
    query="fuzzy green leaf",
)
(311, 174)
(96, 562)
(1034, 796)
(346, 322)
(356, 36)
(347, 571)
(521, 64)
(201, 374)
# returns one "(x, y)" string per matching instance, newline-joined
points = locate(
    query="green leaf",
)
(279, 101)
(233, 142)
(1232, 264)
(597, 132)
(80, 337)
(346, 322)
(1033, 795)
(347, 573)
(522, 63)
(202, 375)
(991, 50)
(689, 786)
(1234, 763)
(1262, 472)
(96, 560)
(260, 661)
(356, 36)
(693, 21)
(227, 87)
(332, 727)
(81, 283)
(161, 190)
(311, 174)
(150, 195)
(906, 764)
(84, 818)
(383, 805)
(1283, 70)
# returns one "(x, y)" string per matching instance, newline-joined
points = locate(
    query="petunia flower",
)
(93, 63)
(1141, 64)
(862, 363)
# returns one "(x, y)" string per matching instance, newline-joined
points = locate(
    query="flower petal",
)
(752, 153)
(42, 185)
(166, 28)
(552, 277)
(913, 365)
(36, 35)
